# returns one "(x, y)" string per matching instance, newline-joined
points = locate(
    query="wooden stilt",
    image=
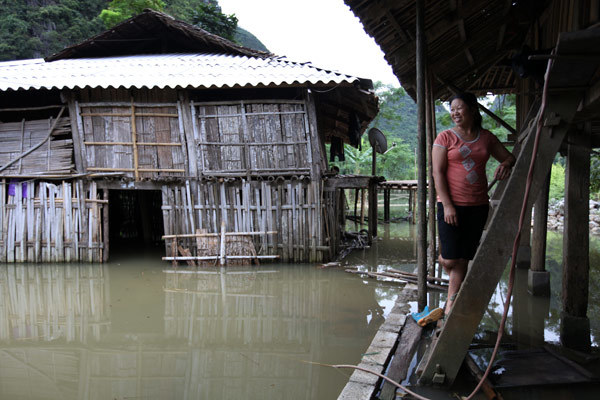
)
(538, 278)
(575, 330)
(421, 66)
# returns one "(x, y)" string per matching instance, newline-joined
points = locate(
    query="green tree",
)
(120, 10)
(209, 17)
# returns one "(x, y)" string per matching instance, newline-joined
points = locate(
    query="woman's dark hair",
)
(471, 101)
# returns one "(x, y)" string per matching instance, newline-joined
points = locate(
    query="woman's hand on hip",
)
(450, 216)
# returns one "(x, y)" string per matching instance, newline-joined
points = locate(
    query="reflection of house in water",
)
(56, 302)
(224, 334)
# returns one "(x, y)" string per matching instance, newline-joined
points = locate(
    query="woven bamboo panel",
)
(141, 140)
(44, 222)
(252, 138)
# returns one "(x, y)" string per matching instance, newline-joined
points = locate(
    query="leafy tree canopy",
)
(120, 10)
(209, 17)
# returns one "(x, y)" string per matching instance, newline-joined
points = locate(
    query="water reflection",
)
(145, 330)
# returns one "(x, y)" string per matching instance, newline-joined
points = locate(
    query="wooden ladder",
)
(448, 350)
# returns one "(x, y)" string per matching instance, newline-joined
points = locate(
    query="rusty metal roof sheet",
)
(165, 71)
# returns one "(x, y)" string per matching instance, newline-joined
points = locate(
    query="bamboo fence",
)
(44, 222)
(283, 217)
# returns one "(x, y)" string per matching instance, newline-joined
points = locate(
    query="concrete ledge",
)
(384, 339)
(393, 323)
(356, 391)
(363, 385)
(366, 377)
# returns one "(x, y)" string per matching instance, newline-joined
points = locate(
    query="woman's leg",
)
(456, 270)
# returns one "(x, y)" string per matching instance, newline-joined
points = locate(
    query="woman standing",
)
(459, 157)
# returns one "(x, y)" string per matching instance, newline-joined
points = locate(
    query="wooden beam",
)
(421, 68)
(407, 345)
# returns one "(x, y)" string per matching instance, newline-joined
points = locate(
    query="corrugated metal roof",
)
(163, 71)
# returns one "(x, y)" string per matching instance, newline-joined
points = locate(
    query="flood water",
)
(137, 328)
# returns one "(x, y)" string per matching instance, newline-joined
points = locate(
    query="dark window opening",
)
(135, 220)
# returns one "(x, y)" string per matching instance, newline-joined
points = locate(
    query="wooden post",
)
(538, 280)
(386, 205)
(372, 209)
(362, 206)
(134, 143)
(105, 226)
(575, 325)
(431, 219)
(421, 157)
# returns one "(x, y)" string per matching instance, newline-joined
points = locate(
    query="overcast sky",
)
(324, 32)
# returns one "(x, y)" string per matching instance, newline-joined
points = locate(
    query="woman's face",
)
(461, 113)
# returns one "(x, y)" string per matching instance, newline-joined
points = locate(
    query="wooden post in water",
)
(421, 158)
(386, 205)
(575, 325)
(372, 209)
(538, 280)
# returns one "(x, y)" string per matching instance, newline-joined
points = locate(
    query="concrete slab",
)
(366, 377)
(394, 322)
(356, 391)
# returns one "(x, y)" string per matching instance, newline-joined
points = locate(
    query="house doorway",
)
(135, 221)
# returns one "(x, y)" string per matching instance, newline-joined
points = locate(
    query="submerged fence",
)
(283, 216)
(46, 222)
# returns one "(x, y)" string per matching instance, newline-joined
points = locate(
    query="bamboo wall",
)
(252, 138)
(140, 140)
(287, 214)
(55, 156)
(44, 222)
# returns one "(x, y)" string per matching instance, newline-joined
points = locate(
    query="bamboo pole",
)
(421, 66)
(131, 144)
(134, 140)
(431, 132)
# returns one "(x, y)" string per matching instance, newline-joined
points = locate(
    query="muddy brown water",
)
(136, 328)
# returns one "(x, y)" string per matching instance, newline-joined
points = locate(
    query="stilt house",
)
(156, 129)
(546, 52)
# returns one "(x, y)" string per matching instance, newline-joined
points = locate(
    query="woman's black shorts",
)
(461, 241)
